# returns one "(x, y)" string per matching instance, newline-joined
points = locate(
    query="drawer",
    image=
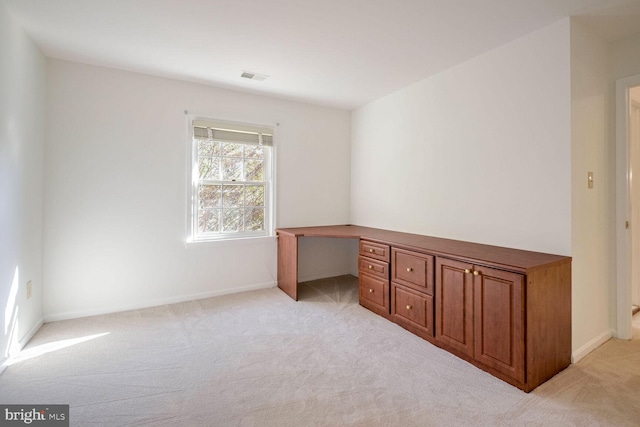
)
(376, 268)
(374, 250)
(413, 270)
(374, 291)
(413, 307)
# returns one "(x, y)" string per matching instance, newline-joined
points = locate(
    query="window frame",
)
(194, 183)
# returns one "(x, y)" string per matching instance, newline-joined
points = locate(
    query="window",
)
(232, 180)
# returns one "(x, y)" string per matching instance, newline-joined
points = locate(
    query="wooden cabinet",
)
(412, 291)
(480, 315)
(373, 277)
(506, 311)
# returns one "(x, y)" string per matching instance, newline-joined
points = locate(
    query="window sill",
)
(247, 240)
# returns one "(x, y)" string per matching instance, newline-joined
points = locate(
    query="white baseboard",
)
(27, 337)
(153, 303)
(3, 364)
(21, 343)
(591, 345)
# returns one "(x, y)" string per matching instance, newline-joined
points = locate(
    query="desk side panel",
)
(548, 303)
(288, 264)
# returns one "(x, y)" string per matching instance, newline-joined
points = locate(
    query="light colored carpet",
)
(261, 359)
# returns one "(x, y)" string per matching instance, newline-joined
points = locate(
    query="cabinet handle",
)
(466, 270)
(370, 291)
(371, 250)
(476, 273)
(409, 269)
(371, 267)
(409, 307)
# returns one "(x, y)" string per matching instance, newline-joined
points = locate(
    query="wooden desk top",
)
(510, 259)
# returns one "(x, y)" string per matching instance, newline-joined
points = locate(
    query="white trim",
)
(154, 303)
(190, 180)
(27, 337)
(274, 182)
(591, 345)
(623, 209)
(21, 343)
(271, 226)
(3, 364)
(245, 240)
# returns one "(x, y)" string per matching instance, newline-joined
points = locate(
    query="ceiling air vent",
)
(253, 76)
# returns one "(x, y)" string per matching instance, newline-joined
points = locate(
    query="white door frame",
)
(623, 208)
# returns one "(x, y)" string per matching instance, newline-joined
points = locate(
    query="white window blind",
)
(228, 132)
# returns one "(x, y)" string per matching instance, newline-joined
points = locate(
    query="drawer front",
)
(376, 268)
(412, 306)
(413, 270)
(374, 291)
(374, 250)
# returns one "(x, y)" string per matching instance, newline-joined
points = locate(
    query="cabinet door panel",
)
(454, 305)
(499, 321)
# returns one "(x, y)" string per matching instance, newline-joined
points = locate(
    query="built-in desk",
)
(507, 311)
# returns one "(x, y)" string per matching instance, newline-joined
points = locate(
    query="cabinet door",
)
(454, 305)
(499, 320)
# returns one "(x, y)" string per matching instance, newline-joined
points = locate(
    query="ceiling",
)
(338, 53)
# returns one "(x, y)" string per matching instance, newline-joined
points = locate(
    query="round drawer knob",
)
(409, 307)
(371, 267)
(476, 273)
(370, 291)
(371, 250)
(466, 270)
(409, 269)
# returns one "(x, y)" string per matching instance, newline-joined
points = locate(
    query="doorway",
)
(634, 181)
(627, 205)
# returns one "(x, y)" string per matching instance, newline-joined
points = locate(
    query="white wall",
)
(593, 210)
(312, 249)
(625, 57)
(480, 152)
(22, 117)
(116, 182)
